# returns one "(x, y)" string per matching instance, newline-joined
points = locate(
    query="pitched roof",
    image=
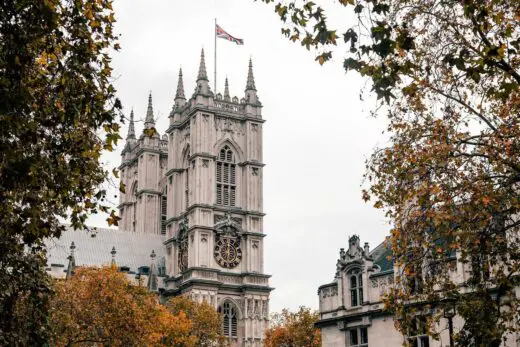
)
(93, 248)
(382, 256)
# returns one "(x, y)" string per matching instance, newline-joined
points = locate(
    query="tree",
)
(293, 329)
(206, 328)
(58, 112)
(446, 74)
(100, 306)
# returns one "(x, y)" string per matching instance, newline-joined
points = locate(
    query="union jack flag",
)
(221, 33)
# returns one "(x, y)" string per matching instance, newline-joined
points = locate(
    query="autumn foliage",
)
(102, 307)
(446, 75)
(293, 329)
(206, 327)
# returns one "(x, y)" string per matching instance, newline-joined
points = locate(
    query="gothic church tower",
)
(202, 187)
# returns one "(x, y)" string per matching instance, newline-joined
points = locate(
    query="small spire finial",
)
(226, 90)
(149, 121)
(203, 75)
(72, 261)
(180, 87)
(131, 126)
(250, 85)
(152, 276)
(113, 253)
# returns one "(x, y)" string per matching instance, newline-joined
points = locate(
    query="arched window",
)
(164, 210)
(356, 287)
(229, 319)
(134, 198)
(226, 177)
(187, 180)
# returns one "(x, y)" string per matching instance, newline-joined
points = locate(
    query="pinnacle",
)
(250, 85)
(149, 112)
(131, 127)
(180, 87)
(203, 75)
(226, 90)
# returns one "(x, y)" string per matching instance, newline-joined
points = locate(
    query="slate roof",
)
(93, 248)
(382, 256)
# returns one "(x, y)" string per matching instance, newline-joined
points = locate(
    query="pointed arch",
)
(234, 302)
(186, 165)
(133, 199)
(185, 155)
(235, 147)
(231, 315)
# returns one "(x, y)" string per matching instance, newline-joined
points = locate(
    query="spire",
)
(131, 127)
(152, 277)
(149, 122)
(226, 91)
(180, 87)
(72, 261)
(113, 252)
(250, 85)
(202, 68)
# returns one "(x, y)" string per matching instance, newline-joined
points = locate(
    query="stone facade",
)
(200, 185)
(351, 307)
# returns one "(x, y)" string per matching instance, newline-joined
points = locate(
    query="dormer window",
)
(356, 287)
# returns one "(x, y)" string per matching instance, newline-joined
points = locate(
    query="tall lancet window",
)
(187, 181)
(164, 206)
(134, 198)
(229, 319)
(356, 287)
(226, 177)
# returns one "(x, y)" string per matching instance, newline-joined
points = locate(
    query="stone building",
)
(351, 307)
(196, 193)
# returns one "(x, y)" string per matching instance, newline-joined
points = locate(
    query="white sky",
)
(317, 133)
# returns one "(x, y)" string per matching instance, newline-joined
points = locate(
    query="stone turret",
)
(253, 104)
(251, 97)
(131, 127)
(149, 122)
(202, 87)
(179, 101)
(226, 91)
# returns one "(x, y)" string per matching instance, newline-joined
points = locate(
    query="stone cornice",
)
(124, 204)
(217, 208)
(349, 317)
(240, 287)
(142, 150)
(187, 113)
(251, 163)
(172, 171)
(382, 273)
(148, 191)
(253, 233)
(331, 284)
(203, 155)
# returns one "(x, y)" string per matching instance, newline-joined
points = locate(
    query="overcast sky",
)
(317, 134)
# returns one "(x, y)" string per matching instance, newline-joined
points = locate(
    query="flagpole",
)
(215, 67)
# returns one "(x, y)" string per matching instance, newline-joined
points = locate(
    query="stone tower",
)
(207, 199)
(143, 162)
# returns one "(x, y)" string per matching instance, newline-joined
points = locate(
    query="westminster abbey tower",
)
(200, 185)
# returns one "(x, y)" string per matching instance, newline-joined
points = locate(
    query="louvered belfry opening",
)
(226, 177)
(229, 319)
